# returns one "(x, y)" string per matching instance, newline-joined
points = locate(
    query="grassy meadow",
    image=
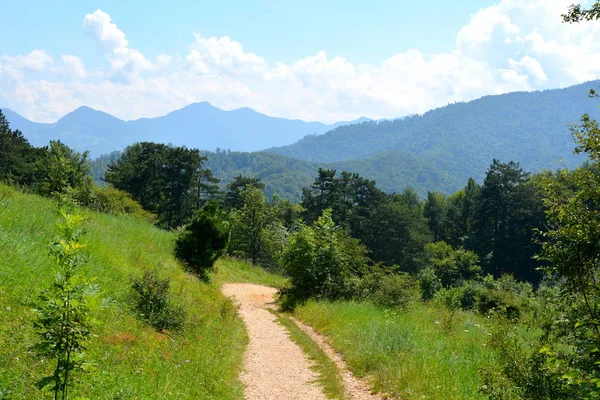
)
(132, 360)
(422, 353)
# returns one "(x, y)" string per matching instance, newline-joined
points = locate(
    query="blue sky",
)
(314, 60)
(363, 32)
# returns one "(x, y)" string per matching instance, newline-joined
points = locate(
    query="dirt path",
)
(275, 367)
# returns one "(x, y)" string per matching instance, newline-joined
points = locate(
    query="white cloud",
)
(37, 60)
(73, 66)
(125, 61)
(513, 45)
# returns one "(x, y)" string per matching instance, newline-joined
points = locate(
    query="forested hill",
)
(463, 138)
(394, 171)
(198, 125)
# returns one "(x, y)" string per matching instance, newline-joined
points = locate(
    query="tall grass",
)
(231, 270)
(132, 360)
(422, 353)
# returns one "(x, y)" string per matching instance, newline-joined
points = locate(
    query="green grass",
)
(423, 353)
(230, 270)
(329, 374)
(133, 361)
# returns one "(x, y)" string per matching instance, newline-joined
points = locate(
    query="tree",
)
(250, 224)
(350, 197)
(165, 180)
(17, 156)
(436, 211)
(452, 267)
(396, 232)
(204, 239)
(508, 211)
(233, 196)
(65, 174)
(64, 321)
(320, 258)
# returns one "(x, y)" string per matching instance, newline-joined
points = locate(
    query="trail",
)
(275, 367)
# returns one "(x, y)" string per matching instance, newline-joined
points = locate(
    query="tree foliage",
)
(204, 239)
(17, 156)
(577, 13)
(320, 258)
(64, 323)
(165, 180)
(65, 174)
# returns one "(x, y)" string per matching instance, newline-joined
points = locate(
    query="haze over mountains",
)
(438, 151)
(199, 125)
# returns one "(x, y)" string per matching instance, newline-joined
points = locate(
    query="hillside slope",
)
(393, 171)
(463, 138)
(133, 360)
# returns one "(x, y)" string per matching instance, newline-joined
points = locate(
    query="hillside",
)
(134, 361)
(198, 125)
(394, 171)
(461, 139)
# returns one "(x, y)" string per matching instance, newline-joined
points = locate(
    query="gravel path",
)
(275, 368)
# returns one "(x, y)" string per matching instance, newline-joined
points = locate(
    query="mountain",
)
(462, 139)
(198, 125)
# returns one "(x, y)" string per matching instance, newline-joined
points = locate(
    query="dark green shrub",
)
(203, 240)
(499, 300)
(396, 291)
(154, 304)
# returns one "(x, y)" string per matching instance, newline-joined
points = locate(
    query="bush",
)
(451, 266)
(396, 291)
(154, 304)
(321, 259)
(113, 201)
(499, 300)
(429, 283)
(203, 240)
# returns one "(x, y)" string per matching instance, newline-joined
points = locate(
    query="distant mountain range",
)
(199, 125)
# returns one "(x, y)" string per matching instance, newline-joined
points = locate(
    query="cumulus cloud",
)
(123, 59)
(512, 45)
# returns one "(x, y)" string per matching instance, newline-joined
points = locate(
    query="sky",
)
(313, 60)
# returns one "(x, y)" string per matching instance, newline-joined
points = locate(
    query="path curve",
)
(275, 367)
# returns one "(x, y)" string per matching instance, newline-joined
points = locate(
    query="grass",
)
(132, 360)
(423, 353)
(329, 374)
(231, 270)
